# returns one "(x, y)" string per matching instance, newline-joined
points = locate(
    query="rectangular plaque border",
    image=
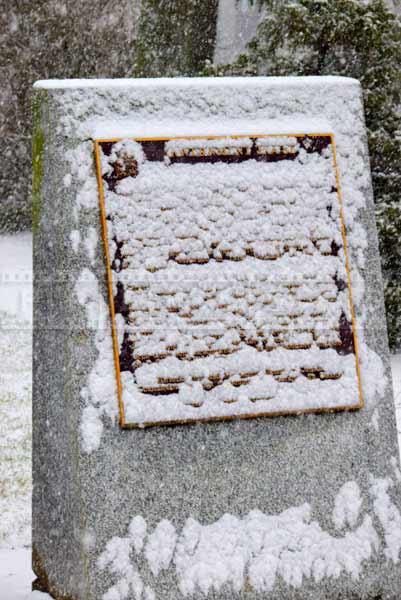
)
(116, 354)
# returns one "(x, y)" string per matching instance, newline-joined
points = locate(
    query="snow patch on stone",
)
(75, 239)
(160, 547)
(90, 244)
(375, 420)
(257, 549)
(91, 429)
(100, 395)
(347, 506)
(388, 515)
(67, 179)
(137, 532)
(374, 380)
(397, 472)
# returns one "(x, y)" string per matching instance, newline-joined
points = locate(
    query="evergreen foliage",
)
(354, 39)
(175, 37)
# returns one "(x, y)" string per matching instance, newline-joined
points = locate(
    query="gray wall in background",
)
(237, 23)
(75, 38)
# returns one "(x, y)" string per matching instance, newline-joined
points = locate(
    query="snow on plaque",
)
(228, 277)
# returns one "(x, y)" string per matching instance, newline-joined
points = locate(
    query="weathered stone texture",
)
(203, 471)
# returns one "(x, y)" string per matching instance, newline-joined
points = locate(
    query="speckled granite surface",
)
(85, 495)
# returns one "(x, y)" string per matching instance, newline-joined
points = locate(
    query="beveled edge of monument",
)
(117, 129)
(198, 82)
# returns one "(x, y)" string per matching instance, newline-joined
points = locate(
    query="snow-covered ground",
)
(15, 417)
(15, 388)
(16, 575)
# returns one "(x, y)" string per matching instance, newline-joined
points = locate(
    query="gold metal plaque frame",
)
(122, 420)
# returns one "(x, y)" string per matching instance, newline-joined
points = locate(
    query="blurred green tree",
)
(352, 38)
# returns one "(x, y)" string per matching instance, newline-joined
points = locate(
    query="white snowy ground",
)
(15, 418)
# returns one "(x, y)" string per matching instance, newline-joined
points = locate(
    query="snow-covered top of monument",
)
(131, 127)
(193, 82)
(105, 108)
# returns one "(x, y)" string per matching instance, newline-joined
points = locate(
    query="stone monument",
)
(213, 410)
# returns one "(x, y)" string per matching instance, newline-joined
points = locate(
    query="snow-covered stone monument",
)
(205, 260)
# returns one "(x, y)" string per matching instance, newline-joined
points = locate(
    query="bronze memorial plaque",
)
(228, 277)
